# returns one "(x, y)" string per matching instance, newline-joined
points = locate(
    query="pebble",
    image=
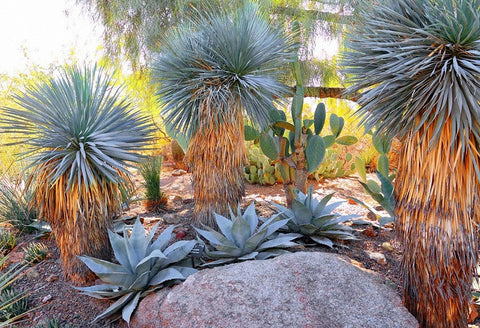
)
(47, 298)
(370, 232)
(32, 273)
(179, 172)
(387, 246)
(377, 257)
(52, 278)
(172, 218)
(177, 199)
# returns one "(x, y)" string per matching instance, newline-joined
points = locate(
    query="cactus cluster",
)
(260, 170)
(334, 166)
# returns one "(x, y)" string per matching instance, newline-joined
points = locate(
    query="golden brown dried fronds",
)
(79, 220)
(216, 157)
(437, 209)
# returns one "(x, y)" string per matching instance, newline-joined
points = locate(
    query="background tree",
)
(211, 71)
(133, 30)
(81, 135)
(418, 65)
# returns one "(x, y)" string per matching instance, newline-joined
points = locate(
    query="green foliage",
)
(15, 202)
(224, 59)
(241, 239)
(145, 265)
(35, 252)
(17, 302)
(416, 63)
(335, 166)
(8, 241)
(77, 124)
(383, 192)
(315, 220)
(150, 169)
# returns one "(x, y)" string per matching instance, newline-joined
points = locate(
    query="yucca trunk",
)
(79, 221)
(216, 157)
(437, 209)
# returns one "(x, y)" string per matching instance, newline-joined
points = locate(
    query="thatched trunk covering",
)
(79, 221)
(216, 157)
(437, 209)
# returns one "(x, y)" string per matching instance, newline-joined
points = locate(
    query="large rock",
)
(308, 290)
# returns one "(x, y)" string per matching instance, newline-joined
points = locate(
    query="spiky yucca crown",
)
(417, 62)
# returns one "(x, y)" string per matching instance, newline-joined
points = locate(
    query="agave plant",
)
(417, 64)
(211, 72)
(315, 220)
(241, 239)
(81, 135)
(144, 266)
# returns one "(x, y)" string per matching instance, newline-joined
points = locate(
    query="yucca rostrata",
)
(211, 71)
(418, 65)
(80, 135)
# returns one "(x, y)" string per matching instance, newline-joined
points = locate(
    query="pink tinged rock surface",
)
(304, 290)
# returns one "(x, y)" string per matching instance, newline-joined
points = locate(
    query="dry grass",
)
(437, 206)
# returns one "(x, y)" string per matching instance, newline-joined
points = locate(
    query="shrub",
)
(150, 170)
(16, 303)
(15, 199)
(8, 241)
(35, 253)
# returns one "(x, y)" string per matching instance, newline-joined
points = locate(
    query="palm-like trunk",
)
(437, 208)
(216, 157)
(79, 221)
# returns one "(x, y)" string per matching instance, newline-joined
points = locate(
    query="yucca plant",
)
(81, 133)
(7, 278)
(315, 220)
(212, 72)
(17, 301)
(8, 241)
(417, 64)
(15, 199)
(144, 266)
(240, 238)
(150, 169)
(53, 323)
(35, 252)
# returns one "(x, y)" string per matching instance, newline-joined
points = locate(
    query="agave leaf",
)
(140, 282)
(109, 272)
(271, 253)
(219, 261)
(307, 229)
(225, 252)
(130, 307)
(136, 243)
(163, 239)
(321, 205)
(302, 214)
(279, 242)
(322, 241)
(249, 256)
(117, 306)
(329, 208)
(274, 226)
(102, 291)
(251, 217)
(146, 263)
(120, 250)
(252, 242)
(185, 271)
(225, 226)
(324, 219)
(179, 250)
(167, 274)
(240, 231)
(215, 238)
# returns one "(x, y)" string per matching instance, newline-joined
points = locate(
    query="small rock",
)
(47, 298)
(52, 278)
(187, 201)
(172, 218)
(370, 232)
(32, 273)
(177, 199)
(379, 208)
(352, 202)
(377, 257)
(179, 172)
(387, 246)
(180, 234)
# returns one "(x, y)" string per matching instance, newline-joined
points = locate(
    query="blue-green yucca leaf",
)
(417, 64)
(77, 124)
(225, 59)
